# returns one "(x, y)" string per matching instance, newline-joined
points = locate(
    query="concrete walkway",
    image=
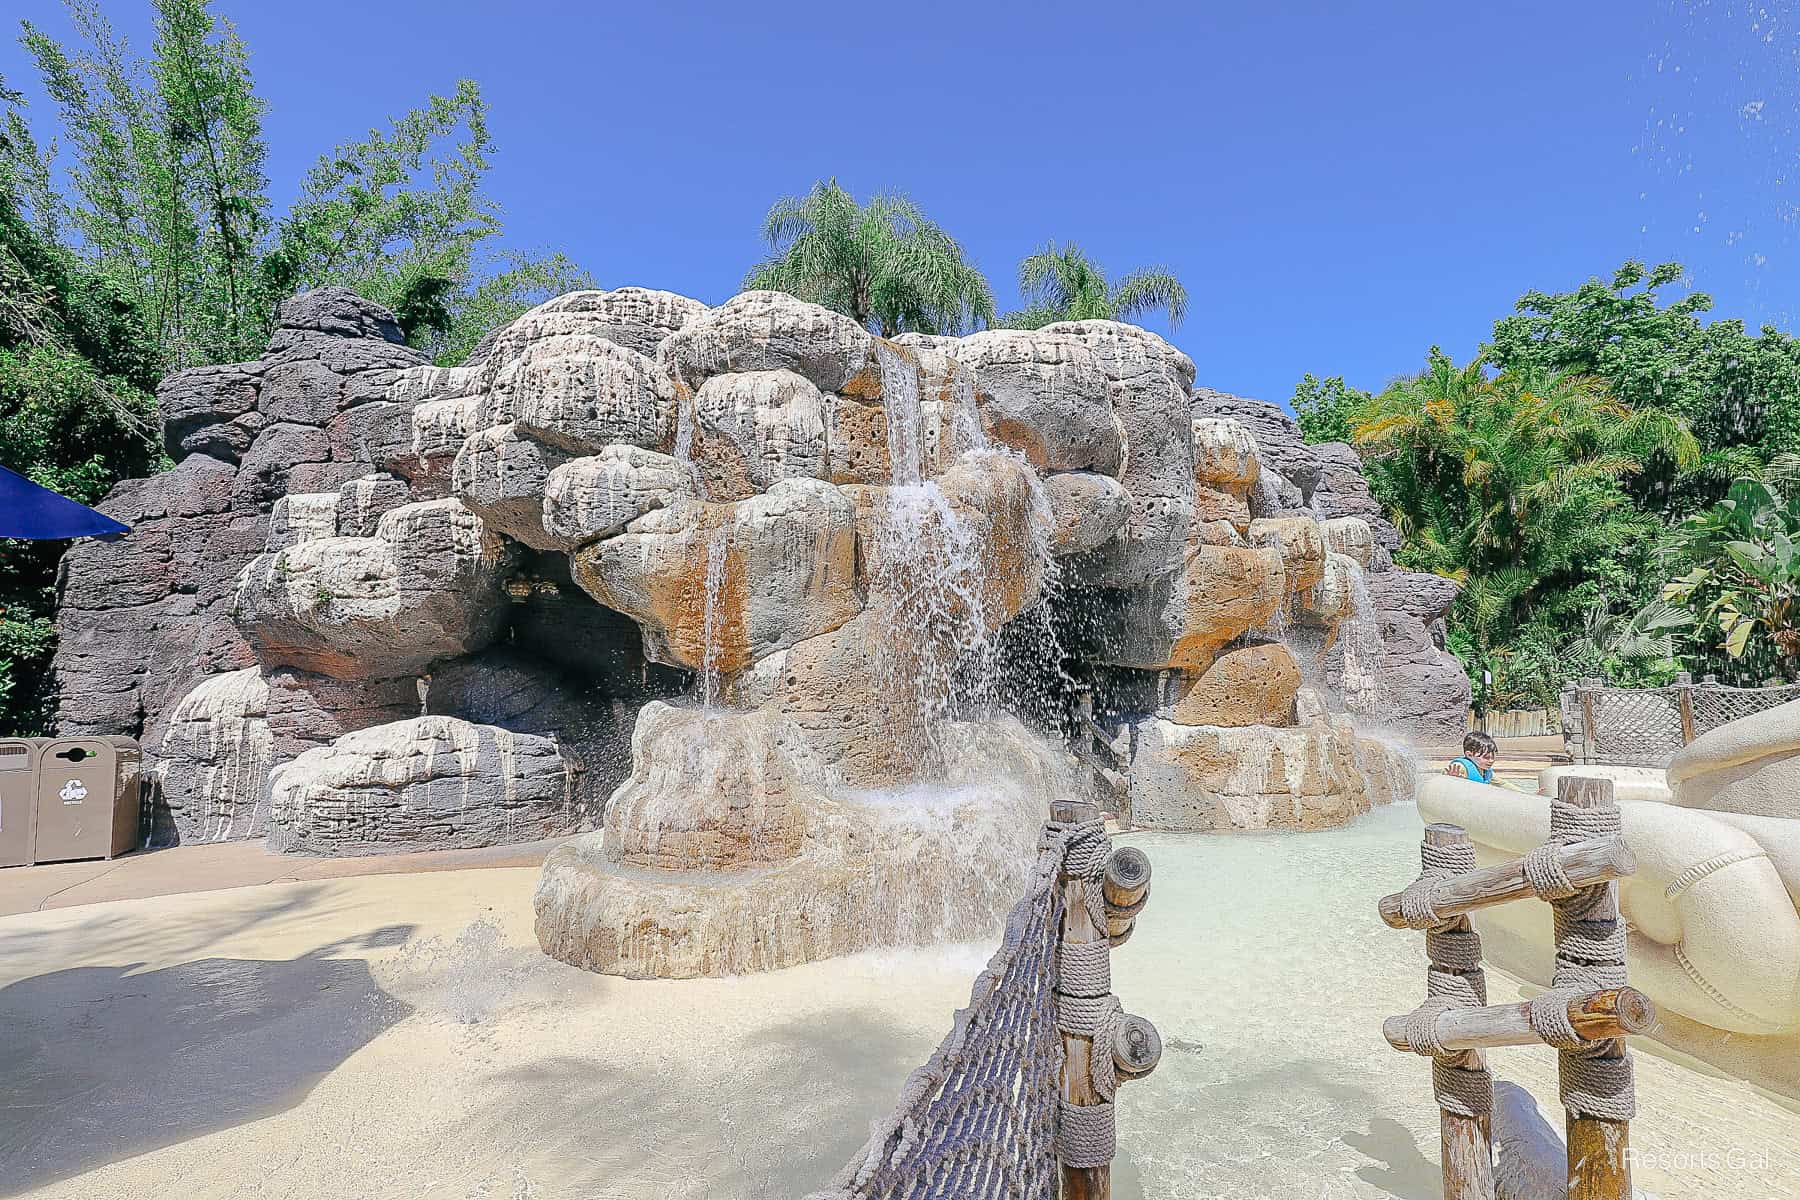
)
(208, 868)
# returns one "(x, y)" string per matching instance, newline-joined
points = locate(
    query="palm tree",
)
(1061, 283)
(1510, 484)
(885, 264)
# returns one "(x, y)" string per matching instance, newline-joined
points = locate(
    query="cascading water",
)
(716, 547)
(1360, 636)
(930, 576)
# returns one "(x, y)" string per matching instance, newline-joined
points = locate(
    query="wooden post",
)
(1588, 745)
(1127, 880)
(1077, 1085)
(1684, 692)
(1599, 1168)
(1597, 1016)
(1465, 1147)
(1585, 863)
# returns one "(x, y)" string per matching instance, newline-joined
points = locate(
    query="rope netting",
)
(978, 1120)
(1716, 706)
(1643, 726)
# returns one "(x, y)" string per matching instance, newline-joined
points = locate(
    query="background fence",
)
(1646, 726)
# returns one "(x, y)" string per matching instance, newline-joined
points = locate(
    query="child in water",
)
(1477, 761)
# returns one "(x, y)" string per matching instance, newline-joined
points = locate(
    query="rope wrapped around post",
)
(1101, 1043)
(1460, 1081)
(1594, 1078)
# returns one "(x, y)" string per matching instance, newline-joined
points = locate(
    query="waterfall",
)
(905, 419)
(716, 547)
(1360, 635)
(686, 418)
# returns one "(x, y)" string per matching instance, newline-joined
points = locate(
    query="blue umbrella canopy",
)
(30, 511)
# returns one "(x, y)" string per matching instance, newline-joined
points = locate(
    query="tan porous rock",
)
(596, 497)
(771, 570)
(755, 428)
(215, 759)
(1333, 598)
(1256, 777)
(581, 393)
(1225, 454)
(1252, 686)
(1223, 592)
(636, 318)
(1350, 536)
(1089, 510)
(840, 871)
(424, 784)
(1151, 380)
(1045, 396)
(772, 331)
(502, 476)
(715, 791)
(1300, 543)
(426, 586)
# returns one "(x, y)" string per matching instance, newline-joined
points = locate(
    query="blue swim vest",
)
(1476, 774)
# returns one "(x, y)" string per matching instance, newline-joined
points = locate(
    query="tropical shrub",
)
(1743, 590)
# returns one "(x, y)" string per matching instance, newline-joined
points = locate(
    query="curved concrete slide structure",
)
(1629, 783)
(1712, 909)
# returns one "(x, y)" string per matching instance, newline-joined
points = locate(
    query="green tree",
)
(1739, 393)
(1511, 485)
(1062, 283)
(77, 365)
(168, 196)
(1327, 409)
(884, 264)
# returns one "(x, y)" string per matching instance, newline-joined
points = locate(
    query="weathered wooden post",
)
(1102, 894)
(1589, 746)
(1585, 1015)
(1460, 1079)
(1594, 1079)
(1684, 693)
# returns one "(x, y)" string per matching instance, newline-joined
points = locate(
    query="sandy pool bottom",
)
(400, 1036)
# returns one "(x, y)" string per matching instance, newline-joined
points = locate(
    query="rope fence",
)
(1017, 1102)
(1645, 726)
(1585, 1015)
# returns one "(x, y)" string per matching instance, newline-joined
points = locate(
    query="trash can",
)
(18, 800)
(87, 798)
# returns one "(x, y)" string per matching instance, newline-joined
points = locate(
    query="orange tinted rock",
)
(1252, 686)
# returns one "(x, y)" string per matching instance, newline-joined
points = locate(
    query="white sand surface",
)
(400, 1036)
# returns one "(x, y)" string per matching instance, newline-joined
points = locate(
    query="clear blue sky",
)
(1340, 185)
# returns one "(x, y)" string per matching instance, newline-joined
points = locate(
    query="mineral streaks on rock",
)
(771, 331)
(751, 860)
(216, 757)
(723, 585)
(1044, 395)
(426, 586)
(430, 783)
(1258, 777)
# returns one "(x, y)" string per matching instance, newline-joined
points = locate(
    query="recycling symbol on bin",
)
(73, 791)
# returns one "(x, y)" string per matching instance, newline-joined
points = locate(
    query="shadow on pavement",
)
(101, 1063)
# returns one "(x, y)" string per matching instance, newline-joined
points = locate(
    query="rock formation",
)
(379, 604)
